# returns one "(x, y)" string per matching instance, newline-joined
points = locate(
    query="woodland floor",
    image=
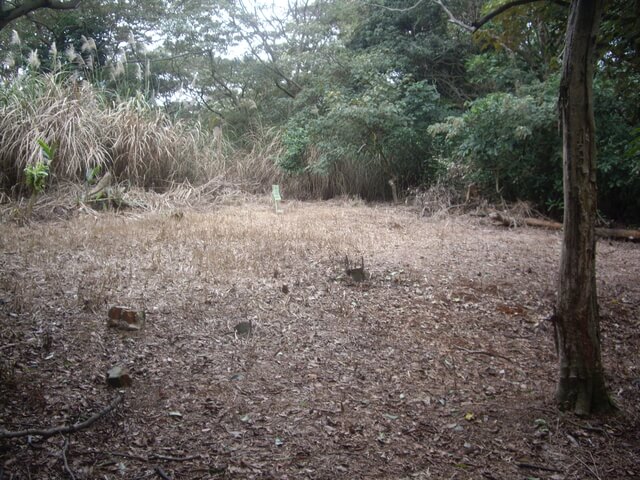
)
(440, 365)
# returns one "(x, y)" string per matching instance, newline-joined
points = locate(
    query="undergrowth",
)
(139, 144)
(103, 120)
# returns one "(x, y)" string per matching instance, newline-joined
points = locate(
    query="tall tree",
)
(581, 385)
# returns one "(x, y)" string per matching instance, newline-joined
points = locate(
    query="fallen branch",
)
(483, 352)
(63, 429)
(619, 234)
(616, 233)
(128, 455)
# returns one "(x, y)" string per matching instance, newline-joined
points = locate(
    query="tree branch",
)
(475, 26)
(271, 63)
(391, 9)
(453, 19)
(507, 6)
(64, 428)
(9, 15)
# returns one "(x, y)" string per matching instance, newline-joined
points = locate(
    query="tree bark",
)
(581, 386)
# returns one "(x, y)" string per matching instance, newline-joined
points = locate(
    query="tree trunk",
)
(581, 386)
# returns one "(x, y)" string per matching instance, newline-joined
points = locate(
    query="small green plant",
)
(35, 176)
(92, 174)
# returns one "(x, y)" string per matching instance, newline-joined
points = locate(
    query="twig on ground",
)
(128, 455)
(154, 456)
(537, 467)
(588, 428)
(63, 429)
(173, 459)
(64, 459)
(483, 352)
(162, 473)
(593, 471)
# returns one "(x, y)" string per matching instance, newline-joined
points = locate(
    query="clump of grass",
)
(255, 169)
(254, 166)
(44, 107)
(36, 175)
(136, 142)
(150, 150)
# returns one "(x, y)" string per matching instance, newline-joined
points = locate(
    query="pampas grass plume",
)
(15, 38)
(88, 44)
(33, 60)
(9, 61)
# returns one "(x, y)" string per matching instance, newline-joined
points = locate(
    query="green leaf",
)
(47, 150)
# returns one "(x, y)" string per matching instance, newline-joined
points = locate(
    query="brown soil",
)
(440, 365)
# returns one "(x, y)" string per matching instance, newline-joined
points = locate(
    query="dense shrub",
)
(509, 144)
(618, 164)
(376, 133)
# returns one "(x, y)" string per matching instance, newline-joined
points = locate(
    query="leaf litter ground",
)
(441, 364)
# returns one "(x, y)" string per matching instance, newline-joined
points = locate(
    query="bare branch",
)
(391, 9)
(475, 26)
(221, 82)
(64, 457)
(271, 62)
(453, 19)
(507, 6)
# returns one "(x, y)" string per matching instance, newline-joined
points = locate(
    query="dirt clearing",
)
(440, 364)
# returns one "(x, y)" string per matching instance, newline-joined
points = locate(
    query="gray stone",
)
(243, 328)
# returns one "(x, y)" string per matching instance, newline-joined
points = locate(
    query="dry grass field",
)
(440, 364)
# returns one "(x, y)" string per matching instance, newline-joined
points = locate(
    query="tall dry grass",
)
(136, 142)
(255, 168)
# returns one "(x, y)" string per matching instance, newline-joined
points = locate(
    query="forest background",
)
(326, 98)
